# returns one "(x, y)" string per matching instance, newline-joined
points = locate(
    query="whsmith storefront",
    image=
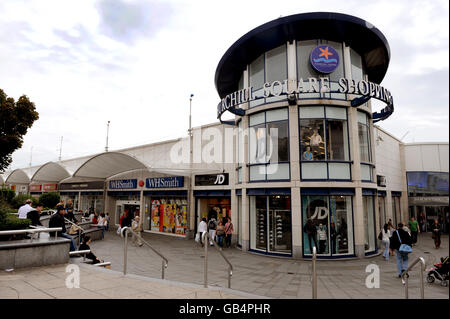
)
(300, 88)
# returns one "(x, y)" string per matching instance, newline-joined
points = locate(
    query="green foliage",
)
(49, 199)
(11, 222)
(15, 120)
(20, 200)
(6, 219)
(7, 195)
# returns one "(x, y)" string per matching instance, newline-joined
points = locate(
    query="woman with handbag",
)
(401, 242)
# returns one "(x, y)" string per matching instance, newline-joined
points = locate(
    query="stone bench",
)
(94, 232)
(39, 252)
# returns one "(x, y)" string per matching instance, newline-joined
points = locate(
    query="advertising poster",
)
(155, 217)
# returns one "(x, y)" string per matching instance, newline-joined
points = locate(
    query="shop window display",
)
(327, 224)
(270, 223)
(324, 143)
(169, 216)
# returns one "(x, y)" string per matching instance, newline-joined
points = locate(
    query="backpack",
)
(380, 235)
(212, 224)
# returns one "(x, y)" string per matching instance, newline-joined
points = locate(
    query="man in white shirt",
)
(202, 227)
(23, 210)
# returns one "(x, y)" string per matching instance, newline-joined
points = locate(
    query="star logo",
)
(325, 53)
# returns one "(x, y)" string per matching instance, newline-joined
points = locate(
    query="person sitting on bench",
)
(85, 246)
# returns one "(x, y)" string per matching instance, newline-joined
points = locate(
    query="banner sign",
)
(82, 186)
(165, 182)
(49, 187)
(212, 180)
(35, 188)
(123, 184)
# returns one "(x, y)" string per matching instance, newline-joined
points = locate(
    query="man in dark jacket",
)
(398, 238)
(35, 215)
(57, 220)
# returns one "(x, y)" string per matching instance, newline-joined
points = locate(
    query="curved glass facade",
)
(311, 144)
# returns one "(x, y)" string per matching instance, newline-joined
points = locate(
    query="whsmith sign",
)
(311, 85)
(165, 182)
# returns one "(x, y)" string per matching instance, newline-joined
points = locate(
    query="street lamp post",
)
(107, 133)
(190, 160)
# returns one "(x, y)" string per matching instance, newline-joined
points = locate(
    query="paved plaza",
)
(254, 276)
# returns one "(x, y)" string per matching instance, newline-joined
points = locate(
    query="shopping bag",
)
(119, 230)
(197, 237)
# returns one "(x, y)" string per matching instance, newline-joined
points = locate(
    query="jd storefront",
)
(166, 206)
(327, 221)
(211, 199)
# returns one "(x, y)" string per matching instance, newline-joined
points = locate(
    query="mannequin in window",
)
(322, 233)
(315, 138)
(307, 155)
(315, 141)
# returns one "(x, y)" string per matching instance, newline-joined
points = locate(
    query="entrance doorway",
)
(132, 208)
(217, 207)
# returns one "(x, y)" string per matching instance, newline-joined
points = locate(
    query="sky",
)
(136, 63)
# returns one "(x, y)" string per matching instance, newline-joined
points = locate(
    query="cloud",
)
(127, 21)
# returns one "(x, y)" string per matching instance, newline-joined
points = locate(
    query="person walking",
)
(386, 241)
(101, 223)
(137, 228)
(311, 231)
(229, 230)
(400, 237)
(414, 228)
(212, 225)
(436, 233)
(220, 233)
(202, 227)
(69, 209)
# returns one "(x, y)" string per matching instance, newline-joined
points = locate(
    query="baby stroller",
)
(439, 271)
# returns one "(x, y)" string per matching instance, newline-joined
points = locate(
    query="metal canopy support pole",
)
(205, 242)
(314, 274)
(125, 247)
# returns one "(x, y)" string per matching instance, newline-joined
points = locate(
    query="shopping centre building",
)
(300, 164)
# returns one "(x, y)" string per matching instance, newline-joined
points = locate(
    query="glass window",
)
(369, 222)
(312, 140)
(270, 224)
(311, 112)
(278, 137)
(327, 224)
(257, 73)
(315, 224)
(276, 64)
(314, 170)
(427, 183)
(364, 138)
(269, 145)
(357, 66)
(341, 237)
(337, 140)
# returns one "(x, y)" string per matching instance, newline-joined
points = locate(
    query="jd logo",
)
(373, 279)
(73, 280)
(220, 179)
(320, 213)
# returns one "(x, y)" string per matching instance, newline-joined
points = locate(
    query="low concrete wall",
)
(40, 252)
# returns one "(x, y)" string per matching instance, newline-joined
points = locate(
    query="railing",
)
(205, 237)
(422, 269)
(31, 231)
(79, 229)
(125, 258)
(314, 274)
(106, 263)
(80, 252)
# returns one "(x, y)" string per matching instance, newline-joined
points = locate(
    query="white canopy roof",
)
(50, 172)
(17, 176)
(108, 164)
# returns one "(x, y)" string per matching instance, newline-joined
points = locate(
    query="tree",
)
(15, 120)
(49, 199)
